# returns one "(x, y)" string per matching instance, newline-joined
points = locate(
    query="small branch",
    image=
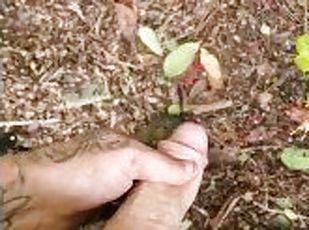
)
(225, 210)
(198, 109)
(305, 16)
(276, 211)
(28, 122)
(202, 211)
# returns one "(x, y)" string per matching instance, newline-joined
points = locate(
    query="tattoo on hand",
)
(13, 200)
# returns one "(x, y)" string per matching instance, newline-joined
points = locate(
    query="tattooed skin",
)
(14, 200)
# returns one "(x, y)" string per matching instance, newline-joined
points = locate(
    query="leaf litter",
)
(70, 45)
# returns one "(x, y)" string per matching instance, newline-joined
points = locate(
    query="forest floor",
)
(53, 50)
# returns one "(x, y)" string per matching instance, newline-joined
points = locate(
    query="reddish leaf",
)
(298, 114)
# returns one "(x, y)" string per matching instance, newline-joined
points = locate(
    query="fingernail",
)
(192, 135)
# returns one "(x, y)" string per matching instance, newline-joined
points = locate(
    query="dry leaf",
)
(265, 99)
(302, 2)
(212, 67)
(298, 114)
(127, 21)
(301, 116)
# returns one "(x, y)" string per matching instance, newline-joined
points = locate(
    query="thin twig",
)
(305, 16)
(28, 122)
(198, 109)
(277, 211)
(202, 211)
(225, 210)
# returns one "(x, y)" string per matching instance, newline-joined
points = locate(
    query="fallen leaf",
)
(180, 59)
(150, 39)
(259, 134)
(264, 100)
(290, 214)
(295, 158)
(127, 21)
(284, 202)
(300, 115)
(89, 94)
(212, 67)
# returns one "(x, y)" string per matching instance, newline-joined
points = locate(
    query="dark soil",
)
(49, 48)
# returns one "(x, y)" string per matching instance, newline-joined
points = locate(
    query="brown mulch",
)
(50, 49)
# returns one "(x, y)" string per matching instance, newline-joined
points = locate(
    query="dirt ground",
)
(51, 49)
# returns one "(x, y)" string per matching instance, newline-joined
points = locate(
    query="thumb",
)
(180, 160)
(189, 142)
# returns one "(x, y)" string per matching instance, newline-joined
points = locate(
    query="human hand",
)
(103, 170)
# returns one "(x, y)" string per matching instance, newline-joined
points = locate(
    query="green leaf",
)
(150, 39)
(295, 158)
(302, 61)
(302, 43)
(174, 109)
(180, 59)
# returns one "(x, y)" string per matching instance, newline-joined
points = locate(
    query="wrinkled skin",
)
(52, 193)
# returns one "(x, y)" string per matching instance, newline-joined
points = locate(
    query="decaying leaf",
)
(88, 95)
(284, 202)
(127, 21)
(212, 67)
(295, 158)
(300, 115)
(150, 39)
(264, 100)
(180, 59)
